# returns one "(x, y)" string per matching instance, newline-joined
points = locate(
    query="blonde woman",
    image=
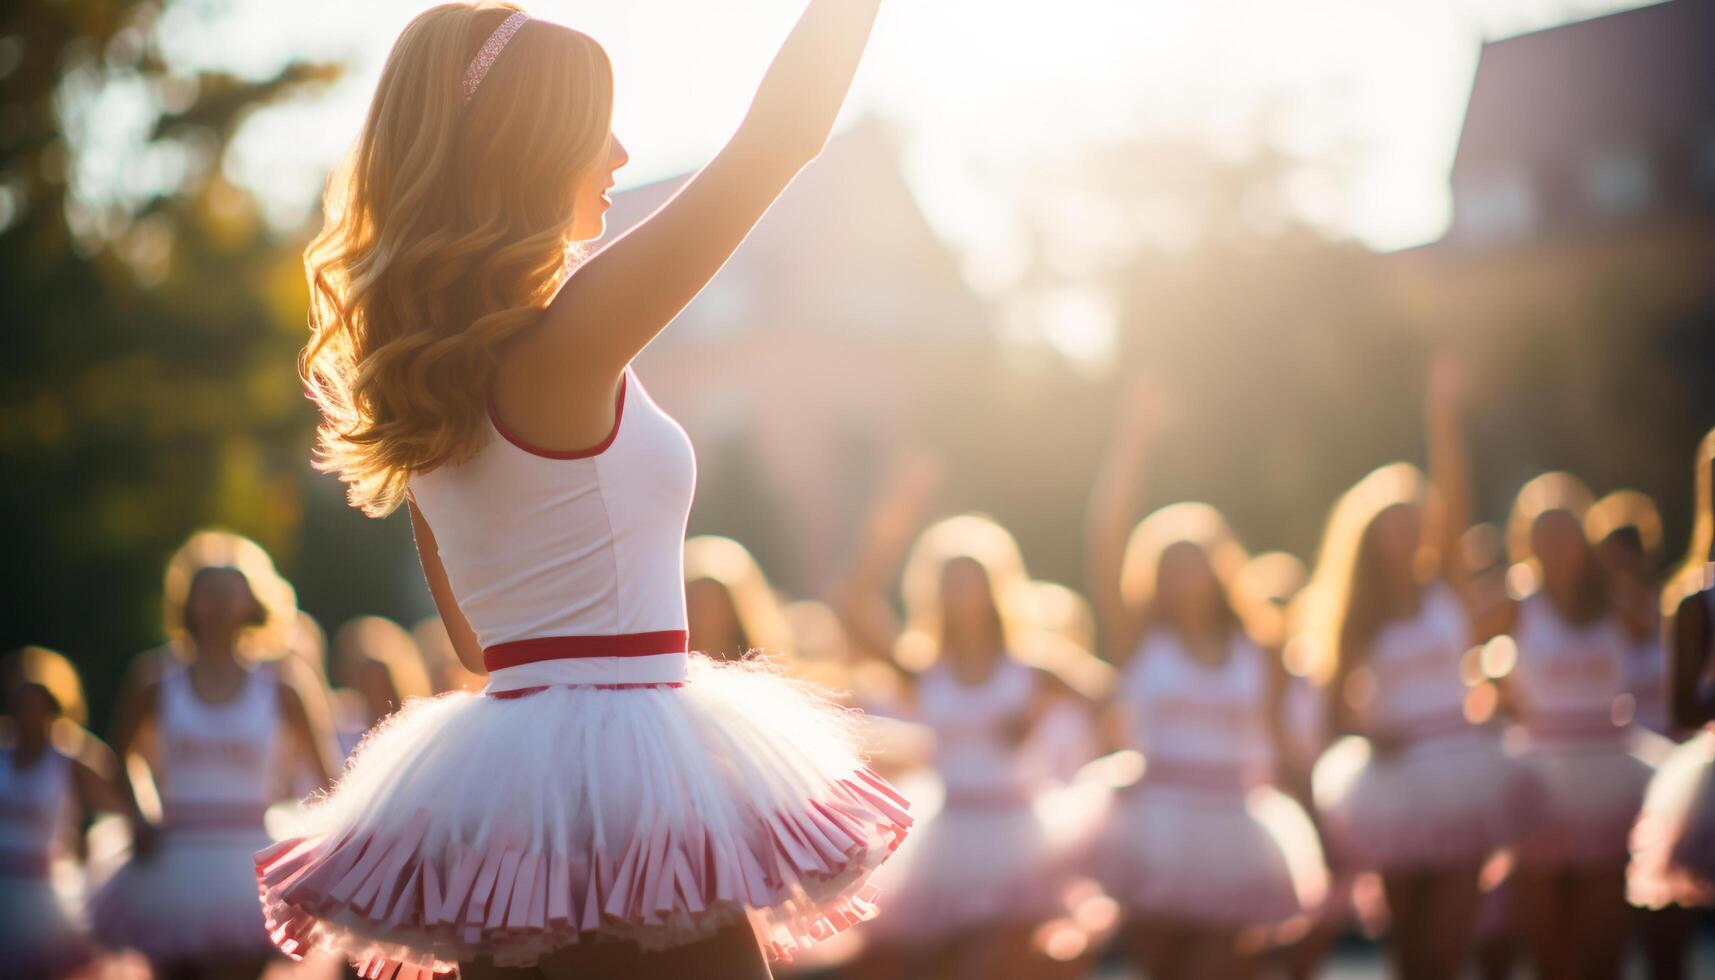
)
(1204, 854)
(984, 871)
(221, 721)
(1416, 790)
(1581, 746)
(610, 805)
(1625, 529)
(52, 774)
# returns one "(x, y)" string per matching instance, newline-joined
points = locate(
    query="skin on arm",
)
(615, 303)
(861, 598)
(95, 778)
(464, 640)
(307, 722)
(134, 732)
(1113, 509)
(95, 785)
(1274, 717)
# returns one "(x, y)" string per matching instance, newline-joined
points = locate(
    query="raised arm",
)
(1114, 507)
(1449, 468)
(133, 732)
(306, 720)
(1450, 471)
(463, 638)
(860, 598)
(621, 297)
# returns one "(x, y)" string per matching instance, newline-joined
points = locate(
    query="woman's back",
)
(539, 544)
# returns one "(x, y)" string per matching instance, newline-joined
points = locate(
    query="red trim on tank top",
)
(595, 450)
(535, 650)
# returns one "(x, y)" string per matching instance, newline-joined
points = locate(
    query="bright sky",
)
(985, 90)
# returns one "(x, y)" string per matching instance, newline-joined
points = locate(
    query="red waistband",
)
(520, 652)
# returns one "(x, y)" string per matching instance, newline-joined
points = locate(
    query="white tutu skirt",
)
(1445, 800)
(39, 935)
(1673, 844)
(469, 825)
(192, 897)
(1218, 856)
(973, 864)
(1592, 792)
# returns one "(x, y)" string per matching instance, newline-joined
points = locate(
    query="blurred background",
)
(1281, 208)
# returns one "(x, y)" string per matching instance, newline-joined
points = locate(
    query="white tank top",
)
(1195, 721)
(35, 805)
(978, 758)
(569, 565)
(219, 762)
(1568, 677)
(1419, 692)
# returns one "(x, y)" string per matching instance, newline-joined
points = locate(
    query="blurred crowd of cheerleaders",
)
(1486, 747)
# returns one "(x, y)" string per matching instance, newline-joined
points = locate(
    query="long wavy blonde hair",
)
(448, 230)
(1347, 607)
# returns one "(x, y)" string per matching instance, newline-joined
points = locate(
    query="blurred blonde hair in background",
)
(970, 536)
(755, 604)
(1198, 524)
(1342, 606)
(272, 634)
(370, 642)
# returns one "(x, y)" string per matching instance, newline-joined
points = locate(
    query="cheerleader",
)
(1625, 529)
(52, 772)
(988, 867)
(1568, 690)
(223, 730)
(1673, 844)
(1205, 856)
(1413, 790)
(609, 805)
(378, 669)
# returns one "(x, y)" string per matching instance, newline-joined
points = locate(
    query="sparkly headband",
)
(491, 49)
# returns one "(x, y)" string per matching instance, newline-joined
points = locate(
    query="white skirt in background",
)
(1591, 791)
(471, 825)
(192, 897)
(1226, 856)
(976, 861)
(1673, 844)
(1441, 800)
(40, 933)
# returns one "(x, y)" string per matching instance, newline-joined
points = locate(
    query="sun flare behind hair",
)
(449, 227)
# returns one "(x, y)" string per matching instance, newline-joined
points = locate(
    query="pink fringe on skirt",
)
(512, 900)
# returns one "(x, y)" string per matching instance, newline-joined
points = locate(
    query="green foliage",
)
(147, 380)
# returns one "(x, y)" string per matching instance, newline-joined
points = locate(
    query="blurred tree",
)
(147, 382)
